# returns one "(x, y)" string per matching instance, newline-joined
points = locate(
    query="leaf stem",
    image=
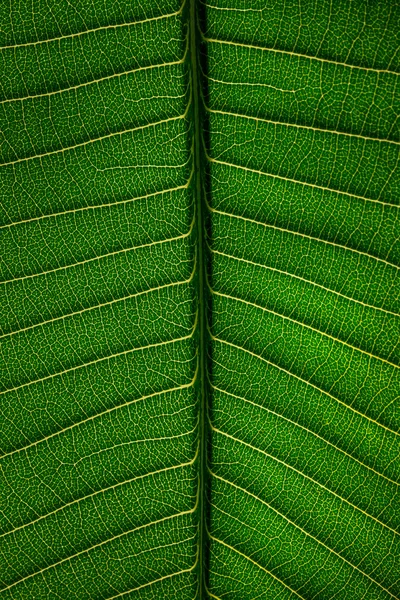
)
(202, 287)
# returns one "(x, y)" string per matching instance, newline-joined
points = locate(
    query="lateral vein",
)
(303, 531)
(304, 381)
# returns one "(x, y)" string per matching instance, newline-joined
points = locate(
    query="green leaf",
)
(199, 324)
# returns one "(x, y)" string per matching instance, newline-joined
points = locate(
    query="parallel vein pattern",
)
(99, 389)
(302, 145)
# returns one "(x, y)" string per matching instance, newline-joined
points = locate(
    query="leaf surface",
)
(199, 326)
(302, 106)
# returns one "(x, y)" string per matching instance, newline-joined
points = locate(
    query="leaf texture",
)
(99, 397)
(199, 326)
(302, 103)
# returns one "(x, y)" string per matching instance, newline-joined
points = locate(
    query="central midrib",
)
(199, 162)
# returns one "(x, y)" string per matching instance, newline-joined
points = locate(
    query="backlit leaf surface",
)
(199, 323)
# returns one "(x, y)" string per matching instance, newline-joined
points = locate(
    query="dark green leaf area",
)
(118, 167)
(318, 212)
(94, 235)
(365, 383)
(83, 338)
(62, 18)
(351, 274)
(364, 167)
(97, 284)
(318, 413)
(250, 582)
(307, 506)
(356, 33)
(99, 281)
(91, 111)
(42, 409)
(128, 562)
(354, 324)
(270, 541)
(319, 464)
(131, 503)
(88, 59)
(97, 453)
(271, 85)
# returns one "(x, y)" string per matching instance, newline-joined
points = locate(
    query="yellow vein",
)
(101, 414)
(99, 360)
(250, 84)
(211, 594)
(306, 533)
(99, 306)
(102, 305)
(107, 541)
(96, 29)
(297, 182)
(98, 492)
(288, 466)
(256, 564)
(308, 281)
(297, 55)
(101, 257)
(303, 235)
(105, 137)
(99, 206)
(97, 81)
(304, 381)
(298, 126)
(135, 442)
(308, 431)
(248, 526)
(318, 331)
(160, 579)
